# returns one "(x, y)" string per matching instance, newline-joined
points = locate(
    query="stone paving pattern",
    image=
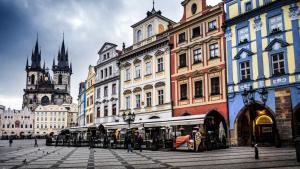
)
(83, 157)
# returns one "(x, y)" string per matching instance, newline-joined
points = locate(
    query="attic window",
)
(194, 8)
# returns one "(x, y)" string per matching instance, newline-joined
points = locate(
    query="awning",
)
(173, 121)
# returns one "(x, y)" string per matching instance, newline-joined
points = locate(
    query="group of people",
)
(129, 142)
(10, 141)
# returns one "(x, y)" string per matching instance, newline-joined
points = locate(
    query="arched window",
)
(59, 79)
(139, 35)
(32, 79)
(149, 30)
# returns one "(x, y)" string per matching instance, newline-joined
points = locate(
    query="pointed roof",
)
(36, 56)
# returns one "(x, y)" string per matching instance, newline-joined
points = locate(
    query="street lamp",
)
(249, 101)
(128, 118)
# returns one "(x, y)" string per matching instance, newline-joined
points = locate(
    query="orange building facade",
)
(198, 67)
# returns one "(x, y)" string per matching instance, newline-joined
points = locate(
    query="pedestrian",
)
(129, 142)
(10, 141)
(140, 142)
(35, 142)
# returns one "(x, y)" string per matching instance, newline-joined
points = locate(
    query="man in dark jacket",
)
(140, 142)
(129, 142)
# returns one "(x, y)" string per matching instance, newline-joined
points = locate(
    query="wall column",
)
(294, 12)
(257, 27)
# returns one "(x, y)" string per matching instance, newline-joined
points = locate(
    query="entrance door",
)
(244, 132)
(264, 130)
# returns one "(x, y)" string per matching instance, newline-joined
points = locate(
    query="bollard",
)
(256, 151)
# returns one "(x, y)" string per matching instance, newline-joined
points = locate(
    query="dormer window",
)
(139, 35)
(149, 30)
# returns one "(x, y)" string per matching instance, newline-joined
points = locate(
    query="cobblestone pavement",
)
(83, 157)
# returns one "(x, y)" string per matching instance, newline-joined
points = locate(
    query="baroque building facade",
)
(145, 73)
(107, 85)
(263, 54)
(41, 89)
(90, 96)
(198, 70)
(16, 123)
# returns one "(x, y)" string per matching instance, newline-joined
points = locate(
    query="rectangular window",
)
(149, 99)
(127, 74)
(181, 37)
(105, 111)
(275, 24)
(243, 35)
(92, 100)
(104, 56)
(138, 101)
(197, 55)
(160, 65)
(278, 64)
(196, 32)
(127, 102)
(148, 68)
(212, 25)
(137, 71)
(114, 89)
(98, 93)
(105, 91)
(214, 50)
(245, 71)
(98, 112)
(107, 56)
(114, 109)
(160, 97)
(110, 71)
(183, 91)
(215, 86)
(101, 74)
(198, 89)
(182, 60)
(105, 72)
(248, 6)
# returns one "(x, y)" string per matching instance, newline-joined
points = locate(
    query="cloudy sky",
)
(86, 24)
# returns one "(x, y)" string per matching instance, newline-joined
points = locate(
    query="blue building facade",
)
(81, 117)
(263, 53)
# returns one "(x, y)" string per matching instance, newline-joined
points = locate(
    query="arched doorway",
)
(261, 129)
(215, 130)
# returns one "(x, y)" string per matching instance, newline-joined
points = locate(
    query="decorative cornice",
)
(137, 89)
(136, 61)
(181, 77)
(159, 84)
(148, 87)
(214, 69)
(158, 53)
(147, 57)
(273, 42)
(243, 50)
(197, 73)
(127, 92)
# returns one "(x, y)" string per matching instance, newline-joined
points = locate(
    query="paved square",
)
(83, 157)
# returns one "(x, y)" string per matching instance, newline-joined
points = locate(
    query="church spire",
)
(36, 55)
(27, 65)
(153, 8)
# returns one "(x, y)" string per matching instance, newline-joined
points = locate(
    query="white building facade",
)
(107, 85)
(51, 118)
(145, 72)
(17, 123)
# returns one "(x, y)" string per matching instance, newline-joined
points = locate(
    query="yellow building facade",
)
(90, 96)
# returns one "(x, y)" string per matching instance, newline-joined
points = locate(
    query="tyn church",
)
(41, 88)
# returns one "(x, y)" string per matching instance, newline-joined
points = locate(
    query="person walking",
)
(140, 142)
(10, 141)
(35, 142)
(129, 142)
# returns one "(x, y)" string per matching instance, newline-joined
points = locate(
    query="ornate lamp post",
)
(249, 101)
(130, 117)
